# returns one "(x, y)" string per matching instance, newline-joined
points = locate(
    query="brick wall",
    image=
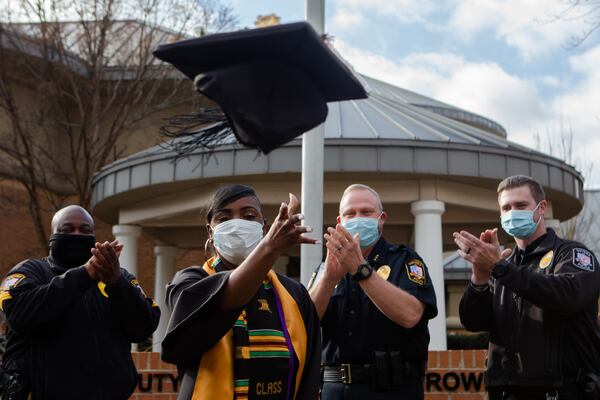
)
(452, 375)
(157, 380)
(455, 375)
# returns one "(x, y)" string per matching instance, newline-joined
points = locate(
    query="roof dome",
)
(393, 131)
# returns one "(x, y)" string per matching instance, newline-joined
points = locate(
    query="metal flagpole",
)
(312, 168)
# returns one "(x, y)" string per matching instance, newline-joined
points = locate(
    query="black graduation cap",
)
(272, 84)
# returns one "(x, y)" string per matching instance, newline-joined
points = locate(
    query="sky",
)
(511, 61)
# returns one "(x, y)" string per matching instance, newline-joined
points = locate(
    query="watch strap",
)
(360, 272)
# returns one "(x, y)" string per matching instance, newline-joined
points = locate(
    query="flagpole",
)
(312, 168)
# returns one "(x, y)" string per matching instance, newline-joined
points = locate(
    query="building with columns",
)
(435, 166)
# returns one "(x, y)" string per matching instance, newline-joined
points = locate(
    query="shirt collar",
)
(378, 253)
(539, 245)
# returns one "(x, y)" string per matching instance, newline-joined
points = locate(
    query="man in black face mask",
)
(72, 317)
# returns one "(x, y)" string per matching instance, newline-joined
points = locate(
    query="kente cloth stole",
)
(261, 354)
(262, 366)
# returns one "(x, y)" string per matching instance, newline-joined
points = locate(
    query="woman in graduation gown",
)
(238, 330)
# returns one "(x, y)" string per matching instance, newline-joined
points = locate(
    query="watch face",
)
(364, 271)
(500, 269)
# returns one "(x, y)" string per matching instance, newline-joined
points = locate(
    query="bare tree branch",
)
(560, 144)
(587, 11)
(91, 75)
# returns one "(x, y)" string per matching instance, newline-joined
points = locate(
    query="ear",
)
(339, 219)
(381, 222)
(543, 206)
(383, 216)
(209, 231)
(265, 227)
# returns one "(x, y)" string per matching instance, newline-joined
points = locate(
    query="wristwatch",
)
(364, 271)
(500, 269)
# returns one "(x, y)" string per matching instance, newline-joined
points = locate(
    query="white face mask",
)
(235, 239)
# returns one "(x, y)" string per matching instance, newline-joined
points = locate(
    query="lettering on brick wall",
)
(454, 381)
(149, 382)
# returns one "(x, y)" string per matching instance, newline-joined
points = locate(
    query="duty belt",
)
(364, 373)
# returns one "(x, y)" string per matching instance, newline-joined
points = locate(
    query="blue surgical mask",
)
(367, 229)
(520, 223)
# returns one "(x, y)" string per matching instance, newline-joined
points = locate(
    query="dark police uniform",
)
(540, 310)
(70, 337)
(372, 356)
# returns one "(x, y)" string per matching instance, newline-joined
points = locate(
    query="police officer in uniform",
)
(539, 302)
(374, 299)
(72, 317)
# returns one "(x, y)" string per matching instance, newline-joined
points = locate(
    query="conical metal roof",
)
(394, 113)
(391, 112)
(393, 131)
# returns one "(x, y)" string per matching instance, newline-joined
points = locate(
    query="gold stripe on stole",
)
(214, 380)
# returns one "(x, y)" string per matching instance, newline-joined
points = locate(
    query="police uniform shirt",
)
(196, 326)
(541, 315)
(353, 327)
(70, 335)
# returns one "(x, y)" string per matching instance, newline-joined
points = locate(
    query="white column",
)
(166, 257)
(428, 243)
(312, 168)
(128, 236)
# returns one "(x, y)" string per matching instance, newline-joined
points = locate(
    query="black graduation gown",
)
(196, 326)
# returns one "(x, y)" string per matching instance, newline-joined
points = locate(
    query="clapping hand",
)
(104, 263)
(345, 249)
(483, 253)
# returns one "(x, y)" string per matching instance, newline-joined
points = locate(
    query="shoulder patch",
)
(583, 259)
(416, 271)
(547, 260)
(11, 281)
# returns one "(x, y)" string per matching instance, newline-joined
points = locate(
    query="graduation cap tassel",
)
(205, 129)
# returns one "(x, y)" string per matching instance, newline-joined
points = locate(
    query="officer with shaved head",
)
(72, 317)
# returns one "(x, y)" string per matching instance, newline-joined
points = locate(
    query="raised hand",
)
(345, 248)
(286, 230)
(108, 270)
(332, 268)
(118, 247)
(91, 266)
(483, 253)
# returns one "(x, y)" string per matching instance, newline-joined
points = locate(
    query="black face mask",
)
(71, 251)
